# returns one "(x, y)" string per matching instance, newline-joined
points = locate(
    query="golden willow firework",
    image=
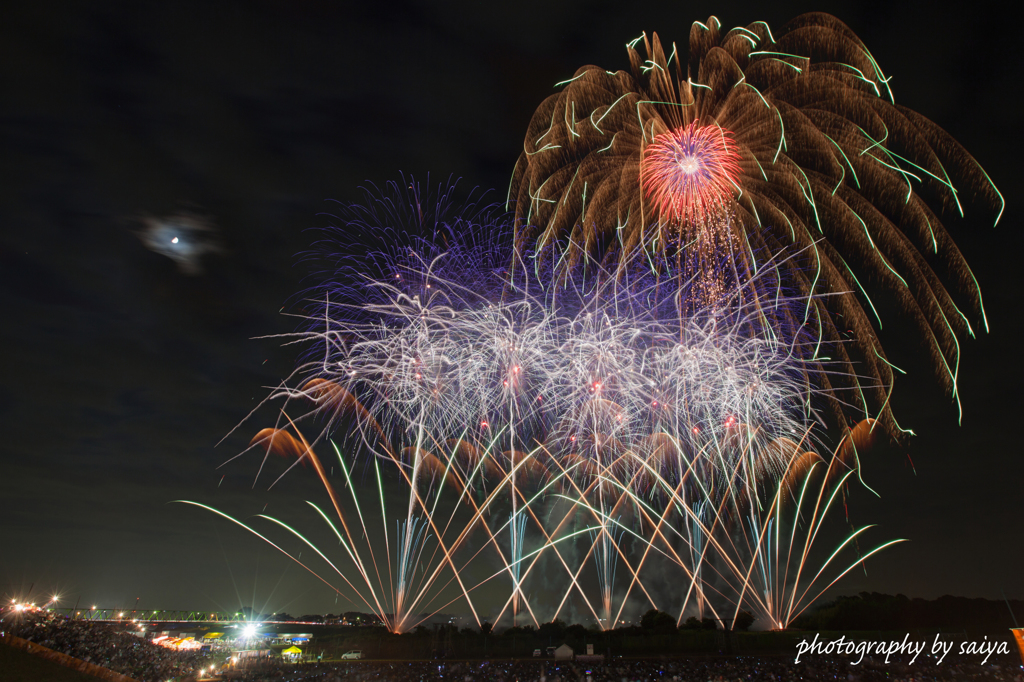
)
(754, 144)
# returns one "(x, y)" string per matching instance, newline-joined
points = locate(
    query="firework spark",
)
(753, 143)
(606, 365)
(534, 416)
(690, 174)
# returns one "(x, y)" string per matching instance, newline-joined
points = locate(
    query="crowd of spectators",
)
(103, 644)
(112, 647)
(711, 669)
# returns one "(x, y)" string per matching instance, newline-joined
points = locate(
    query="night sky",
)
(123, 370)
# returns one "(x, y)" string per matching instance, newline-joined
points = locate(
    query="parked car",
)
(353, 655)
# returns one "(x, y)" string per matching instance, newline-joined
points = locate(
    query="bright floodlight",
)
(249, 631)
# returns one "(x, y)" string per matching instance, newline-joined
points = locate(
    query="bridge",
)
(153, 615)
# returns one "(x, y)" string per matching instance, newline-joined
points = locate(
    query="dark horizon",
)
(123, 372)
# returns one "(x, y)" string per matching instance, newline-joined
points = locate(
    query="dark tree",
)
(692, 623)
(519, 630)
(657, 622)
(743, 621)
(553, 630)
(576, 631)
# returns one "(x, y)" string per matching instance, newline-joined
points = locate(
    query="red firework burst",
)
(690, 172)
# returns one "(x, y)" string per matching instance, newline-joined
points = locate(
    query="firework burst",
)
(689, 174)
(605, 423)
(443, 342)
(757, 143)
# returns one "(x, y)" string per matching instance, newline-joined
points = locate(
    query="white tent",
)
(563, 653)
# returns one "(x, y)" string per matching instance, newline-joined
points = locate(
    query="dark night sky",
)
(121, 373)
